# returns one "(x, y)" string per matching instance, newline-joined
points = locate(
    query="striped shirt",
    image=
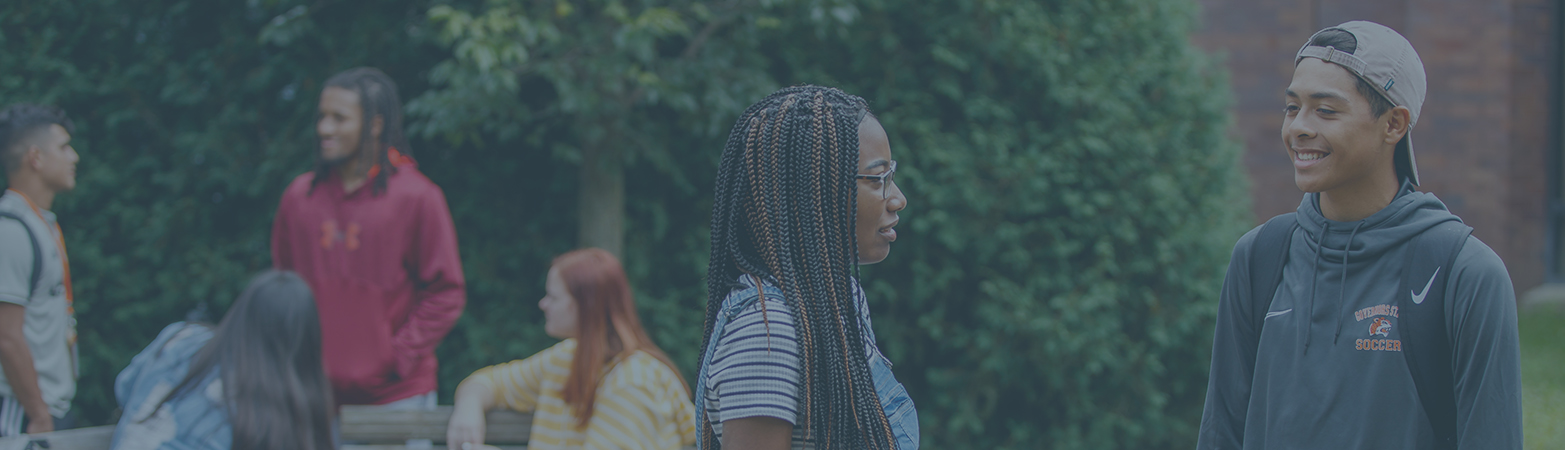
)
(640, 404)
(755, 368)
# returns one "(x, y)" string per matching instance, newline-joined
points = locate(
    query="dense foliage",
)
(1073, 201)
(1073, 198)
(191, 117)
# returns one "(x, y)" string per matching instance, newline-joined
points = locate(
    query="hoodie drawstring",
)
(1314, 280)
(1342, 294)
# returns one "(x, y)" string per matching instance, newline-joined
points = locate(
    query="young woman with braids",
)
(804, 196)
(606, 385)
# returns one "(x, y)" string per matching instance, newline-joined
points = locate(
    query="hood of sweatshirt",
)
(1360, 248)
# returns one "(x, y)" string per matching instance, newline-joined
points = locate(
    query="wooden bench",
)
(90, 438)
(370, 428)
(380, 429)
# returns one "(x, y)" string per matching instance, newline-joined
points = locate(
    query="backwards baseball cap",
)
(1386, 61)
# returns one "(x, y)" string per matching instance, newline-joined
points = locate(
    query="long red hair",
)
(607, 326)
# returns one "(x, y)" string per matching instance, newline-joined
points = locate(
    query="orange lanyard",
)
(65, 261)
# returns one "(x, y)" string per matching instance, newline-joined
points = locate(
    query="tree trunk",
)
(601, 207)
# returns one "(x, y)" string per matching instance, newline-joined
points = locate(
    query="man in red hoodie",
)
(374, 239)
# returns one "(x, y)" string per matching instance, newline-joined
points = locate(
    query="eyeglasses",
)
(884, 179)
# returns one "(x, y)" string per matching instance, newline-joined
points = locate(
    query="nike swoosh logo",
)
(1418, 297)
(1272, 314)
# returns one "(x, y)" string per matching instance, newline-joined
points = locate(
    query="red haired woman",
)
(605, 385)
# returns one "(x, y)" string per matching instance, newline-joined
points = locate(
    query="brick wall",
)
(1485, 134)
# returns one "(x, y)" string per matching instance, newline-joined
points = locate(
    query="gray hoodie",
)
(1329, 373)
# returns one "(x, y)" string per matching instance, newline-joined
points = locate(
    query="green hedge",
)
(1073, 197)
(192, 116)
(1073, 204)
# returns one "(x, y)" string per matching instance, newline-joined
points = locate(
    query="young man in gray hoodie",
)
(1327, 364)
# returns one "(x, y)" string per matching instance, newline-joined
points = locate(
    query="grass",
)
(1543, 378)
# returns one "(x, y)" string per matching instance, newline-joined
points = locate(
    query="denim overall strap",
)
(900, 412)
(735, 303)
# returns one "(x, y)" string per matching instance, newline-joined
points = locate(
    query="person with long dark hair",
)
(804, 196)
(254, 382)
(375, 240)
(605, 385)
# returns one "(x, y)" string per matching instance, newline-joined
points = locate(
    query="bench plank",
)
(376, 425)
(90, 438)
(384, 430)
(404, 447)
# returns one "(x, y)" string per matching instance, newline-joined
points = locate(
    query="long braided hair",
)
(784, 212)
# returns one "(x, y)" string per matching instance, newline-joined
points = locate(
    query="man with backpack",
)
(1370, 318)
(37, 327)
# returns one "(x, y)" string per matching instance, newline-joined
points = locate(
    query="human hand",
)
(42, 424)
(466, 430)
(404, 362)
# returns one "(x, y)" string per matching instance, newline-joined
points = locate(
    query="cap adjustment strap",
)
(1338, 57)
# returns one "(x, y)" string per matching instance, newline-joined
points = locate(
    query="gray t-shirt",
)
(49, 324)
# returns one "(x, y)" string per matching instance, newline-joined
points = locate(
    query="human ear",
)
(33, 156)
(1398, 121)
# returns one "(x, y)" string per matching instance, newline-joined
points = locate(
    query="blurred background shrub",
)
(1073, 196)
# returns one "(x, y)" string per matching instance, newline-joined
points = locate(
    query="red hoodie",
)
(386, 276)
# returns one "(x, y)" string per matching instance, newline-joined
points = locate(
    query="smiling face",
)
(340, 124)
(1332, 134)
(53, 158)
(877, 215)
(559, 307)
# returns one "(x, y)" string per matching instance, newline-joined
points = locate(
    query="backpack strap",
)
(37, 251)
(1425, 342)
(1267, 255)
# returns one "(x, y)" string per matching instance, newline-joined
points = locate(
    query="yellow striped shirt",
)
(640, 402)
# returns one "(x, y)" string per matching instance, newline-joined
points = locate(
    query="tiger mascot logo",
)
(1381, 326)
